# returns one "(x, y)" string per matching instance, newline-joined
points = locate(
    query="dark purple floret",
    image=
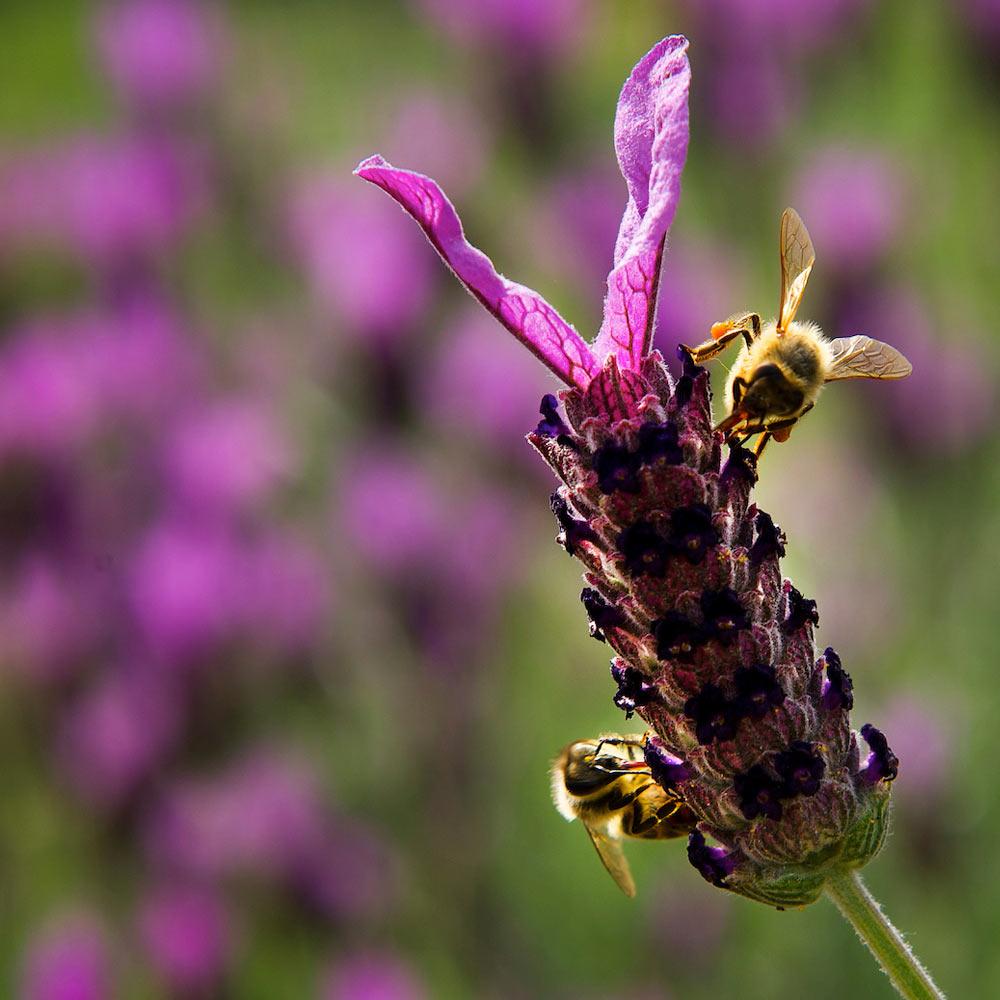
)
(800, 769)
(799, 611)
(617, 468)
(714, 863)
(757, 690)
(645, 551)
(659, 441)
(883, 764)
(689, 372)
(573, 530)
(838, 689)
(667, 770)
(634, 690)
(741, 463)
(724, 615)
(713, 715)
(759, 793)
(692, 533)
(602, 615)
(552, 425)
(677, 638)
(770, 540)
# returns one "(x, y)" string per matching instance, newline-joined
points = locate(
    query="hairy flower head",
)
(714, 650)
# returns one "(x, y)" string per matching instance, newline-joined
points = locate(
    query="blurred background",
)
(287, 645)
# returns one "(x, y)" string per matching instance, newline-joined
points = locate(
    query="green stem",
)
(898, 962)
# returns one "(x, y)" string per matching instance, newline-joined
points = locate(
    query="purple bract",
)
(651, 136)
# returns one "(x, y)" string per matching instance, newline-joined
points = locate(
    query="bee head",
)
(770, 394)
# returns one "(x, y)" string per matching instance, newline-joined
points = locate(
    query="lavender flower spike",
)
(714, 649)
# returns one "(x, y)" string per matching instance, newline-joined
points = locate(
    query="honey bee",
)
(607, 785)
(784, 364)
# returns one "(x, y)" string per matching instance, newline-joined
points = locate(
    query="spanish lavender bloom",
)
(69, 960)
(186, 934)
(160, 54)
(775, 776)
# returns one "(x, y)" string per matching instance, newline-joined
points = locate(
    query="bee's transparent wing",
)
(797, 259)
(612, 857)
(862, 357)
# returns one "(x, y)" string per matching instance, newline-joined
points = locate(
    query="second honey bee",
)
(607, 785)
(784, 364)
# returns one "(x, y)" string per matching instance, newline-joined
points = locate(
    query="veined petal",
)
(522, 311)
(651, 140)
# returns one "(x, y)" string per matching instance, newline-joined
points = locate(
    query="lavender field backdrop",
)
(286, 646)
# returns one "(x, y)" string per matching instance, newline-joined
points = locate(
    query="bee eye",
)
(765, 372)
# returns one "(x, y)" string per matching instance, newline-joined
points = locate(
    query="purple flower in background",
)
(227, 455)
(115, 734)
(68, 960)
(50, 615)
(353, 875)
(285, 593)
(261, 814)
(364, 269)
(784, 24)
(921, 738)
(699, 277)
(854, 200)
(951, 373)
(159, 53)
(401, 520)
(538, 27)
(186, 934)
(983, 17)
(755, 49)
(690, 926)
(371, 976)
(665, 532)
(107, 199)
(581, 209)
(48, 404)
(442, 137)
(390, 508)
(489, 412)
(186, 586)
(749, 94)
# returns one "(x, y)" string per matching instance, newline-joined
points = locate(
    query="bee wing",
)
(797, 259)
(862, 357)
(612, 857)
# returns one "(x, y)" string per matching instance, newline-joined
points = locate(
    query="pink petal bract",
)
(651, 140)
(522, 311)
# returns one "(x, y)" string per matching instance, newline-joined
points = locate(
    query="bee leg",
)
(761, 444)
(740, 386)
(722, 336)
(748, 326)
